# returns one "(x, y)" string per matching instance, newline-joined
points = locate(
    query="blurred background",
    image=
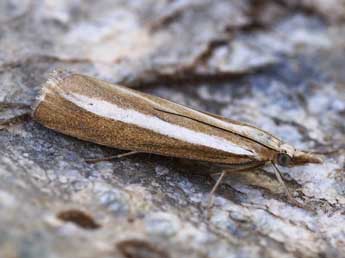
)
(276, 64)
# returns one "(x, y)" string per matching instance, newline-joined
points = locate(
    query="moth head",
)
(289, 156)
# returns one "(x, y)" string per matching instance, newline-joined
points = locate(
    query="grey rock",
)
(268, 64)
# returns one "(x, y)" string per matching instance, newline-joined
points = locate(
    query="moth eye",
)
(283, 159)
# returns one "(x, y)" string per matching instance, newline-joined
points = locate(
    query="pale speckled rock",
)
(264, 63)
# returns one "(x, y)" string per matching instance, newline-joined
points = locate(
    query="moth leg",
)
(214, 188)
(112, 157)
(282, 183)
(221, 177)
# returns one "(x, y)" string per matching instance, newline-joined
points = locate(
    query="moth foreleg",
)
(286, 189)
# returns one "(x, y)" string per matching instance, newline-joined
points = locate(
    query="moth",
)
(116, 116)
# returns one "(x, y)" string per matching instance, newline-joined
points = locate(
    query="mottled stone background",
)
(279, 65)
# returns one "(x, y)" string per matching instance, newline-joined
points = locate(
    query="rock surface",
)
(275, 64)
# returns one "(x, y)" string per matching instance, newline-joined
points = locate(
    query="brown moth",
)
(119, 117)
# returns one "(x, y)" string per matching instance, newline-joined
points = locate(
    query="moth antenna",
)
(14, 120)
(19, 118)
(4, 105)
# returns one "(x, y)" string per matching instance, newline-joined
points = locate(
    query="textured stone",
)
(265, 63)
